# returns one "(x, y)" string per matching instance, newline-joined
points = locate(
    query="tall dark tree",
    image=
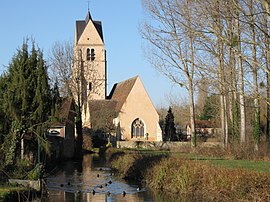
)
(170, 131)
(56, 99)
(4, 119)
(26, 101)
(42, 99)
(208, 111)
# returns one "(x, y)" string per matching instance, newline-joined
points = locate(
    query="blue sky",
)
(54, 20)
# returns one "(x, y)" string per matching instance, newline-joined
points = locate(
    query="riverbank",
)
(19, 190)
(14, 193)
(193, 176)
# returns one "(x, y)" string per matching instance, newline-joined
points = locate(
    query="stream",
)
(92, 180)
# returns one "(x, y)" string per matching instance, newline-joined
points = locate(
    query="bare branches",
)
(223, 41)
(60, 63)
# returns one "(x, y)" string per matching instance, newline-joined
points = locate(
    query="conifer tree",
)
(208, 111)
(56, 99)
(26, 101)
(4, 122)
(42, 99)
(170, 131)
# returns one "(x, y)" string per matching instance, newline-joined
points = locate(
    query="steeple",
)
(89, 46)
(88, 17)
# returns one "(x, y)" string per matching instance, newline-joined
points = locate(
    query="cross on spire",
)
(88, 5)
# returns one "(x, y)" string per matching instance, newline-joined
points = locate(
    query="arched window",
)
(88, 55)
(93, 54)
(137, 129)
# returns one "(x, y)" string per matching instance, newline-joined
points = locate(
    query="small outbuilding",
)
(61, 134)
(203, 128)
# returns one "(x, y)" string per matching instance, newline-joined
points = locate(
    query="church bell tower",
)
(90, 53)
(89, 66)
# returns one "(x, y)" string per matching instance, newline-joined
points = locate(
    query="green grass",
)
(258, 166)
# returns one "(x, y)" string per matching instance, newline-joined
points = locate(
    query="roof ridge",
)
(132, 78)
(121, 91)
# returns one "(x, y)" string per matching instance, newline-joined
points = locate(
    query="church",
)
(127, 110)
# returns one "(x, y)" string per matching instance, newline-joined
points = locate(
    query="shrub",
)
(34, 173)
(134, 165)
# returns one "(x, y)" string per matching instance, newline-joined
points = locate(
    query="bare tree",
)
(240, 75)
(266, 20)
(60, 62)
(224, 41)
(256, 128)
(73, 74)
(172, 40)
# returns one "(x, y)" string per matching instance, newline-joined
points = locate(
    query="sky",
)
(53, 21)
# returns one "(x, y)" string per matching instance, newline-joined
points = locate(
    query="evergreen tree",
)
(170, 131)
(42, 99)
(26, 101)
(208, 111)
(4, 119)
(56, 99)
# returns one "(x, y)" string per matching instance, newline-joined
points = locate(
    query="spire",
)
(88, 15)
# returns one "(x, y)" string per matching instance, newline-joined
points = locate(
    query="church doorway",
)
(137, 129)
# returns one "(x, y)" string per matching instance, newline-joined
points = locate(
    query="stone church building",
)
(128, 108)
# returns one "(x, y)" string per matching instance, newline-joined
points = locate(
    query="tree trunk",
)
(256, 127)
(241, 81)
(192, 115)
(221, 76)
(79, 140)
(22, 148)
(232, 100)
(190, 77)
(267, 59)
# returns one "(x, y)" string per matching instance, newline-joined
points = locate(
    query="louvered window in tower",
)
(90, 86)
(93, 54)
(88, 54)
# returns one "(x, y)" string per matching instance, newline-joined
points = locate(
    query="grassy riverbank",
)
(196, 176)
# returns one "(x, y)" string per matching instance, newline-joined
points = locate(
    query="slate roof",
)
(120, 92)
(81, 24)
(88, 17)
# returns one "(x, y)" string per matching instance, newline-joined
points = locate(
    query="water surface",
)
(92, 180)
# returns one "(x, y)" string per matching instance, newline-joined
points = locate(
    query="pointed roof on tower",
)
(81, 25)
(88, 17)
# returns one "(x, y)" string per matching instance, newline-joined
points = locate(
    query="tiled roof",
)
(202, 124)
(102, 110)
(67, 109)
(120, 92)
(81, 24)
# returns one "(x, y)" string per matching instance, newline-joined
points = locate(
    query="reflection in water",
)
(91, 180)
